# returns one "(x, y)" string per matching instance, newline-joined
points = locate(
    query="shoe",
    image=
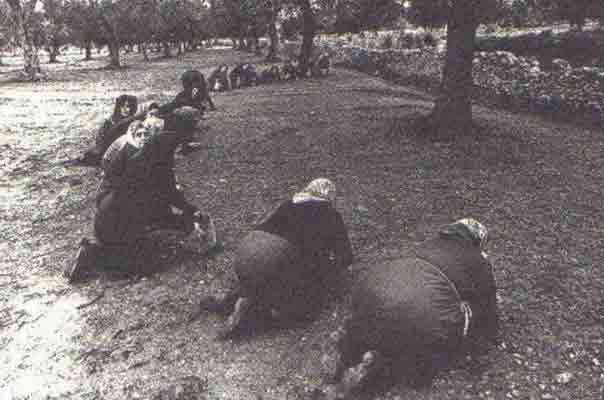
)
(207, 241)
(189, 148)
(356, 378)
(211, 234)
(242, 307)
(73, 271)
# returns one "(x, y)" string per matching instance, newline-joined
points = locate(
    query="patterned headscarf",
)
(130, 134)
(320, 189)
(154, 124)
(467, 228)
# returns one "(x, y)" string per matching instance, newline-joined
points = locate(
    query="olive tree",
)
(22, 13)
(452, 112)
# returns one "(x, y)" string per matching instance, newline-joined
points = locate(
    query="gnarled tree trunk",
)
(88, 50)
(31, 61)
(452, 112)
(114, 54)
(113, 40)
(142, 48)
(167, 51)
(273, 35)
(53, 52)
(308, 35)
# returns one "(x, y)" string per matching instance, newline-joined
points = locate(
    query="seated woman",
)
(218, 80)
(112, 128)
(138, 193)
(321, 66)
(194, 94)
(270, 75)
(243, 75)
(289, 71)
(290, 262)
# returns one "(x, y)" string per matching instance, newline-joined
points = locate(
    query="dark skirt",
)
(275, 273)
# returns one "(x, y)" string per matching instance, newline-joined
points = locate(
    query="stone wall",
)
(499, 77)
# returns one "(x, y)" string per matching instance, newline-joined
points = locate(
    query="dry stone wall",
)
(499, 77)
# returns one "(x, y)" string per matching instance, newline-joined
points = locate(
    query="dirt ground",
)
(537, 186)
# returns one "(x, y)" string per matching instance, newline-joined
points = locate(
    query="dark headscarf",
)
(121, 100)
(191, 79)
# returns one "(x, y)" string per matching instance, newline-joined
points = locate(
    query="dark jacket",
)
(137, 188)
(471, 273)
(183, 99)
(145, 175)
(190, 80)
(115, 126)
(315, 226)
(219, 75)
(243, 75)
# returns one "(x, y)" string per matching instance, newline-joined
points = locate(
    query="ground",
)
(537, 186)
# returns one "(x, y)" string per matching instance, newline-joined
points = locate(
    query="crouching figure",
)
(289, 71)
(218, 81)
(269, 75)
(243, 75)
(412, 315)
(138, 193)
(321, 66)
(289, 262)
(112, 128)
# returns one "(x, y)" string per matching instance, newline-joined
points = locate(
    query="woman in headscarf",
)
(194, 94)
(243, 75)
(290, 262)
(112, 128)
(415, 314)
(322, 65)
(138, 193)
(457, 250)
(218, 80)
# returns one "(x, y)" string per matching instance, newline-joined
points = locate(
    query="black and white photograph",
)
(301, 199)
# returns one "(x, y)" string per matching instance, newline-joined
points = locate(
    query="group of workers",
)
(426, 302)
(246, 74)
(138, 192)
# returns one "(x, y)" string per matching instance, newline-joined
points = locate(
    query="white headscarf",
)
(467, 228)
(154, 124)
(130, 134)
(320, 189)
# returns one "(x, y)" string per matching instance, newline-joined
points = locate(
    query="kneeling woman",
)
(138, 194)
(289, 263)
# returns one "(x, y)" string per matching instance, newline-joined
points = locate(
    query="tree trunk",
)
(308, 35)
(114, 55)
(142, 47)
(452, 112)
(31, 61)
(88, 50)
(273, 49)
(111, 28)
(167, 51)
(53, 53)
